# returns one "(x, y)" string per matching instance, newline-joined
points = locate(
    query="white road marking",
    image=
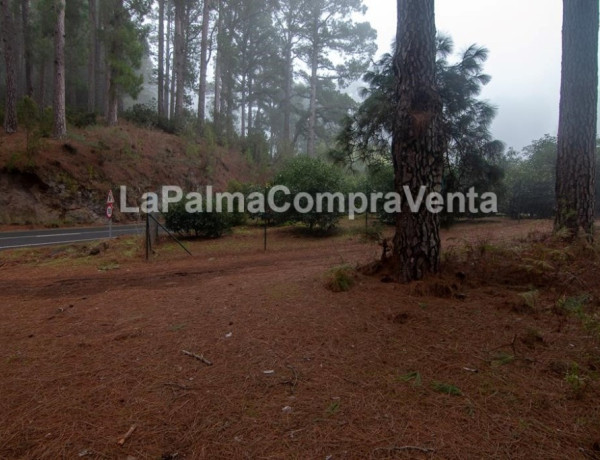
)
(53, 235)
(50, 244)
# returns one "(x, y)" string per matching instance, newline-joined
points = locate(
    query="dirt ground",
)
(479, 362)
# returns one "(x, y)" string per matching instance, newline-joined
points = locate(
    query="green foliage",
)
(312, 176)
(146, 116)
(142, 115)
(28, 113)
(380, 179)
(577, 383)
(530, 180)
(256, 148)
(201, 224)
(29, 118)
(473, 156)
(233, 187)
(80, 118)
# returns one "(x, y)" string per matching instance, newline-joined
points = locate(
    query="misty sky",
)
(524, 39)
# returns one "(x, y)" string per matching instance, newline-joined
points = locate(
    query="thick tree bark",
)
(10, 110)
(575, 174)
(161, 58)
(25, 6)
(418, 140)
(92, 58)
(203, 66)
(60, 121)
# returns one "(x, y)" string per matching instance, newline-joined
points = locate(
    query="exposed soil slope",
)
(67, 182)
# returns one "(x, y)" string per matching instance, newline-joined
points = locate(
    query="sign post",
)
(110, 202)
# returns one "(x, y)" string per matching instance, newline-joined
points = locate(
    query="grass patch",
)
(109, 266)
(414, 377)
(502, 359)
(446, 389)
(340, 279)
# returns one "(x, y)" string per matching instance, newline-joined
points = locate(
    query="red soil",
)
(298, 371)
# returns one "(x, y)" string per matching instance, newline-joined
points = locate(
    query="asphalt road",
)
(32, 238)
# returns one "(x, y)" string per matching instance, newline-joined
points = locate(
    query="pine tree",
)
(60, 121)
(10, 111)
(418, 140)
(328, 28)
(575, 175)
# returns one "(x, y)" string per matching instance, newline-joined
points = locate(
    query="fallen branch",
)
(124, 439)
(200, 358)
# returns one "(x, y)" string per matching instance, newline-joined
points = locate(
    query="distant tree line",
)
(272, 69)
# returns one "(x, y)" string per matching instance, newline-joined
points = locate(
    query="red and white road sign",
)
(111, 198)
(109, 211)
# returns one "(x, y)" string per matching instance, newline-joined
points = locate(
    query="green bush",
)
(29, 118)
(81, 118)
(46, 125)
(312, 176)
(256, 148)
(201, 224)
(380, 179)
(143, 115)
(240, 218)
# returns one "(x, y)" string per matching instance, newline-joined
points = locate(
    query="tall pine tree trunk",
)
(287, 98)
(314, 81)
(168, 66)
(249, 102)
(179, 57)
(25, 7)
(10, 110)
(418, 140)
(243, 105)
(92, 59)
(575, 174)
(60, 121)
(113, 90)
(161, 59)
(218, 66)
(203, 66)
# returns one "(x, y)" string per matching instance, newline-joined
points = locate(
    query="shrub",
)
(81, 118)
(340, 279)
(312, 176)
(380, 179)
(46, 125)
(240, 218)
(143, 115)
(201, 224)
